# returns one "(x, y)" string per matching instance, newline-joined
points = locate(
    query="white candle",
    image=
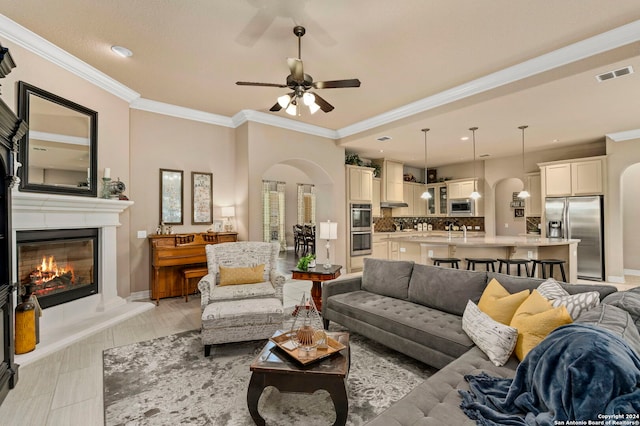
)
(107, 172)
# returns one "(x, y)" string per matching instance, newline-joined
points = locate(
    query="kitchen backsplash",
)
(391, 224)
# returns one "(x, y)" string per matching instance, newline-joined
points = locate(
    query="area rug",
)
(168, 381)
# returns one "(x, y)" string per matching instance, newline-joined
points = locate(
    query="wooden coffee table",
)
(274, 367)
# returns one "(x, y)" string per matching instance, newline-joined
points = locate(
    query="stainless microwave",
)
(462, 207)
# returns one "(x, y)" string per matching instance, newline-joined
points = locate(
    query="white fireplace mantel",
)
(36, 211)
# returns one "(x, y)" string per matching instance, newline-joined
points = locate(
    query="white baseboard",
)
(615, 279)
(635, 272)
(139, 295)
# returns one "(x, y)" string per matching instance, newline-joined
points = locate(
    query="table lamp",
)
(227, 213)
(328, 231)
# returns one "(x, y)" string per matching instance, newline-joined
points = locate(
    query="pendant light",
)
(426, 194)
(475, 194)
(524, 193)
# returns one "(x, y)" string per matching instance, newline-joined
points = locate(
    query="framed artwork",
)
(201, 198)
(171, 197)
(217, 225)
(518, 213)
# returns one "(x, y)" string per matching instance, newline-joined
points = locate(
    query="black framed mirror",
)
(59, 152)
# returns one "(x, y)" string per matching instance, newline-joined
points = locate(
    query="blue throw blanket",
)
(578, 372)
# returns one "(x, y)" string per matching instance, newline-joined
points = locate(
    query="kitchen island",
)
(421, 248)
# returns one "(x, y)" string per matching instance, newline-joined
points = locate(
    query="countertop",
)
(484, 241)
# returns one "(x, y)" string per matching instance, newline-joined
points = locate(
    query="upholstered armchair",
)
(232, 310)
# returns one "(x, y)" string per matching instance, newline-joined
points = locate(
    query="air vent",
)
(383, 138)
(615, 74)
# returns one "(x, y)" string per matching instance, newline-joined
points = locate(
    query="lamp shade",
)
(328, 230)
(228, 211)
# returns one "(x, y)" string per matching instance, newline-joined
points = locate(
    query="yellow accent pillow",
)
(499, 304)
(535, 319)
(246, 275)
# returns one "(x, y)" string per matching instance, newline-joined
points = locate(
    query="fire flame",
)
(49, 269)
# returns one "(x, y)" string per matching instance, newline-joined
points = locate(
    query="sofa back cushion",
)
(515, 284)
(446, 289)
(387, 277)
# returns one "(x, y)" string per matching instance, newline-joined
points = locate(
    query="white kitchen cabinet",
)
(460, 189)
(437, 204)
(375, 188)
(412, 195)
(360, 183)
(584, 176)
(533, 204)
(558, 180)
(380, 250)
(392, 180)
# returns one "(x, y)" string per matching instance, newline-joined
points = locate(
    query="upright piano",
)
(170, 253)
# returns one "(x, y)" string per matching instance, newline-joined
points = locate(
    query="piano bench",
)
(187, 274)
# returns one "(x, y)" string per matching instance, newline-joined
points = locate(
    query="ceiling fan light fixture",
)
(284, 100)
(292, 109)
(313, 108)
(308, 99)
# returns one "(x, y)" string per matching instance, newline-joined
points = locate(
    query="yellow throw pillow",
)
(535, 319)
(499, 304)
(247, 275)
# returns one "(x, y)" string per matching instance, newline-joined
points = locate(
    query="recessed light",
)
(383, 138)
(556, 140)
(382, 150)
(121, 51)
(464, 138)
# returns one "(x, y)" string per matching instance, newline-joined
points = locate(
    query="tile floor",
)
(65, 388)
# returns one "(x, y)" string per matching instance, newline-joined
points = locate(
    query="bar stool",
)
(550, 262)
(518, 262)
(471, 263)
(453, 261)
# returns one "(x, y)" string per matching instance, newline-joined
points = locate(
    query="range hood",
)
(393, 204)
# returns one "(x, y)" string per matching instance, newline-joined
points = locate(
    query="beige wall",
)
(631, 206)
(319, 158)
(163, 142)
(504, 213)
(113, 126)
(620, 156)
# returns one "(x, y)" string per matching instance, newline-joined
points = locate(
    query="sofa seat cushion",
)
(446, 289)
(436, 401)
(435, 329)
(243, 291)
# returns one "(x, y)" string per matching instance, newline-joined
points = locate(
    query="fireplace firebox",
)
(59, 265)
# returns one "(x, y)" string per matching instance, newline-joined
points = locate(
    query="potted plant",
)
(306, 262)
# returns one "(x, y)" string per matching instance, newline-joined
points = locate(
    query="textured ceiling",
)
(191, 53)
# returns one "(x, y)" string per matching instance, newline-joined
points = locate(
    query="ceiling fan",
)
(301, 84)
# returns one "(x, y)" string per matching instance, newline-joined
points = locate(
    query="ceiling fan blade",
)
(324, 105)
(295, 66)
(275, 108)
(251, 83)
(337, 84)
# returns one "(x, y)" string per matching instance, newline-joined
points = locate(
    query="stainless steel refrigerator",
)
(580, 218)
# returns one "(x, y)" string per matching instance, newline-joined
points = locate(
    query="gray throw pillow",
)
(614, 319)
(627, 300)
(446, 289)
(387, 277)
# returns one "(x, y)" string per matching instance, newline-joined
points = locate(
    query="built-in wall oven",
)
(361, 221)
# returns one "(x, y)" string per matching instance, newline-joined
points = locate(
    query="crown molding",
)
(624, 136)
(282, 122)
(29, 40)
(600, 43)
(181, 112)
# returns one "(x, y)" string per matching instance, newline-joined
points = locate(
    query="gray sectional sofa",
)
(417, 310)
